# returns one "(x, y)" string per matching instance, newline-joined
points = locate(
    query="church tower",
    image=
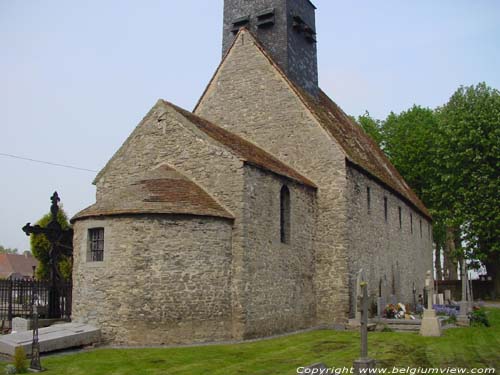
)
(286, 29)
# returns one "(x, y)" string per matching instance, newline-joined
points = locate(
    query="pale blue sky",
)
(77, 76)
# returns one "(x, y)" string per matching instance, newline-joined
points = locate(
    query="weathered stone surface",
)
(383, 248)
(170, 279)
(56, 337)
(21, 324)
(430, 324)
(250, 98)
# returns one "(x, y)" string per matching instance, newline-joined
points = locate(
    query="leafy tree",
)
(469, 173)
(6, 250)
(372, 127)
(40, 247)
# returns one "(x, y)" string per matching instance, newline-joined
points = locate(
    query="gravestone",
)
(364, 362)
(447, 296)
(20, 325)
(381, 304)
(440, 299)
(430, 324)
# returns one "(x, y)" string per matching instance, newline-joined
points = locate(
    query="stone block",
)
(56, 337)
(430, 324)
(363, 364)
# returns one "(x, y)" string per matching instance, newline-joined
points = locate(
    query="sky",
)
(76, 77)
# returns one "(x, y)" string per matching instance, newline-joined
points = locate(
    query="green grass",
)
(464, 347)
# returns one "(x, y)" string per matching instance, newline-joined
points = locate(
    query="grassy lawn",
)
(464, 347)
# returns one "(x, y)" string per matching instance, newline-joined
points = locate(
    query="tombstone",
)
(381, 304)
(364, 362)
(430, 324)
(440, 299)
(20, 325)
(447, 296)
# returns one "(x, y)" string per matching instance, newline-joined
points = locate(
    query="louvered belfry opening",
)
(285, 28)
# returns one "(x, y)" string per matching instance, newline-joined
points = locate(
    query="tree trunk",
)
(450, 259)
(493, 268)
(437, 262)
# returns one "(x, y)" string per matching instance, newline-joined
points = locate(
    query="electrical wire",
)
(47, 162)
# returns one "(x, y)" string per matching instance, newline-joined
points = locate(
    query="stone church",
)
(252, 214)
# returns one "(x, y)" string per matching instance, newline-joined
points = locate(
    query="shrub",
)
(387, 329)
(478, 317)
(10, 370)
(20, 360)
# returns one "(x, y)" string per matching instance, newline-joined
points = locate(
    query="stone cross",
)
(430, 325)
(358, 295)
(363, 362)
(462, 318)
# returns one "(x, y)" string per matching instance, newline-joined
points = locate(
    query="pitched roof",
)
(159, 191)
(359, 148)
(17, 264)
(244, 149)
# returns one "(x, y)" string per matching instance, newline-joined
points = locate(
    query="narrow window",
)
(285, 214)
(420, 228)
(411, 223)
(429, 229)
(96, 245)
(368, 198)
(400, 218)
(385, 208)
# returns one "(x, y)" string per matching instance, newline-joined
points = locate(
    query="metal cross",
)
(60, 244)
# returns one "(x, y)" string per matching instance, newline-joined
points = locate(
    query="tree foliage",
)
(469, 154)
(451, 158)
(7, 250)
(40, 247)
(372, 127)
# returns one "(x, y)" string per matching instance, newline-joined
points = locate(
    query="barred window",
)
(96, 242)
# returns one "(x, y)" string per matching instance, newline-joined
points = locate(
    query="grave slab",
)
(56, 337)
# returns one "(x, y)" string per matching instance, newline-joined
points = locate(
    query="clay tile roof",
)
(17, 264)
(160, 191)
(359, 148)
(244, 149)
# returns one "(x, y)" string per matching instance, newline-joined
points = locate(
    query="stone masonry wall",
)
(250, 98)
(381, 247)
(164, 279)
(164, 136)
(280, 295)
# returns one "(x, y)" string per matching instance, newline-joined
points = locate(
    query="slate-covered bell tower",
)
(287, 30)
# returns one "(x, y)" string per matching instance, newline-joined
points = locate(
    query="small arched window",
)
(285, 214)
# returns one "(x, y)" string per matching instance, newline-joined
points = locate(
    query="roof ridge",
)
(405, 191)
(279, 166)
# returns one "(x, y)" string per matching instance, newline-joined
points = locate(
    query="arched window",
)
(285, 214)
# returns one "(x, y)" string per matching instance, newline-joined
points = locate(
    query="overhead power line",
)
(46, 162)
